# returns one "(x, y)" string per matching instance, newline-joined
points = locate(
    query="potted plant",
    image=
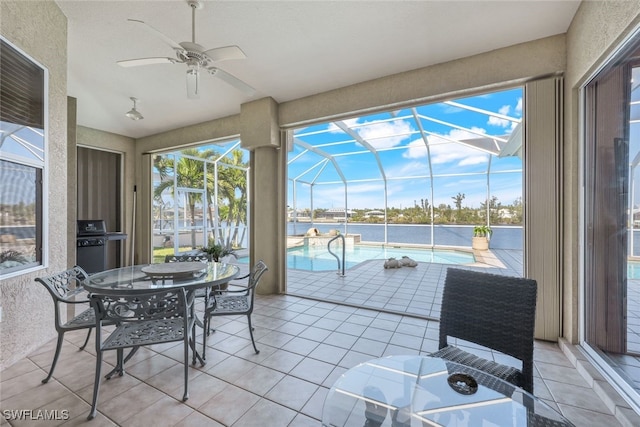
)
(481, 236)
(217, 250)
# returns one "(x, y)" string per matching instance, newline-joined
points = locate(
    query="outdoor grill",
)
(91, 244)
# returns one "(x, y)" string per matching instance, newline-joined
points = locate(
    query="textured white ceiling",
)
(294, 49)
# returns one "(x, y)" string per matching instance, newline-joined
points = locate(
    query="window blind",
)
(21, 89)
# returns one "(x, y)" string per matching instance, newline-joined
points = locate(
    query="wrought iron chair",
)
(203, 258)
(141, 319)
(234, 303)
(494, 311)
(66, 288)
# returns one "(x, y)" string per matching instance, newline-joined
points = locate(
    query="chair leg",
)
(55, 357)
(85, 341)
(251, 333)
(186, 366)
(119, 369)
(205, 334)
(96, 386)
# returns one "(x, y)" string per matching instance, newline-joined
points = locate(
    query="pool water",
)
(633, 270)
(317, 258)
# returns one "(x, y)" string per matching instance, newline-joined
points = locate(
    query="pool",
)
(317, 258)
(633, 269)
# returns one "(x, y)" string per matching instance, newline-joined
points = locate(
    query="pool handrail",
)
(339, 236)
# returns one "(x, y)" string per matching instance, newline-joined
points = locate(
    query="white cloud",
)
(496, 121)
(377, 133)
(445, 151)
(504, 110)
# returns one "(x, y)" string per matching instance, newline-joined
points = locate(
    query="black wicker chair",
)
(65, 288)
(494, 311)
(234, 302)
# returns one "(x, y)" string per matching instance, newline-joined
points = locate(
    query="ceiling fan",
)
(195, 56)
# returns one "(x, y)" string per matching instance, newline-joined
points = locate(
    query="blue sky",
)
(404, 159)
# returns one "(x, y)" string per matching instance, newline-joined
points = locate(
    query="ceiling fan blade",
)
(193, 83)
(232, 80)
(225, 53)
(146, 61)
(157, 33)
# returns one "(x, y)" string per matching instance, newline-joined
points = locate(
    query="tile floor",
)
(305, 346)
(418, 292)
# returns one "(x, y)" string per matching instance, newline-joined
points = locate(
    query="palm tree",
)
(189, 174)
(233, 188)
(457, 200)
(231, 182)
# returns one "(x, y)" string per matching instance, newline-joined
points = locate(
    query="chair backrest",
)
(122, 307)
(65, 285)
(188, 258)
(254, 279)
(492, 310)
(256, 273)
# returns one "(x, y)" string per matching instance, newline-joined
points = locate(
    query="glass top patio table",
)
(418, 391)
(143, 278)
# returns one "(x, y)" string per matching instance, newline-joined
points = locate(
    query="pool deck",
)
(412, 291)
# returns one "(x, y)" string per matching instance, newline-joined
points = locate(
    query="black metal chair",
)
(494, 311)
(66, 288)
(234, 302)
(141, 319)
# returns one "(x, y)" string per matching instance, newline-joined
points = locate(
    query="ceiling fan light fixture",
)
(134, 114)
(193, 82)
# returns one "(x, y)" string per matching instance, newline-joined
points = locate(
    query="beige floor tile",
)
(64, 409)
(259, 380)
(201, 389)
(581, 397)
(300, 346)
(231, 368)
(283, 361)
(129, 403)
(164, 412)
(585, 417)
(265, 413)
(328, 353)
(110, 388)
(312, 370)
(149, 367)
(21, 367)
(229, 405)
(302, 420)
(172, 379)
(199, 420)
(27, 391)
(559, 373)
(292, 392)
(553, 355)
(313, 407)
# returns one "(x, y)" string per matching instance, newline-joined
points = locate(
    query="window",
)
(23, 85)
(200, 195)
(611, 207)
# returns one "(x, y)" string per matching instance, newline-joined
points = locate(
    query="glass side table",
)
(418, 391)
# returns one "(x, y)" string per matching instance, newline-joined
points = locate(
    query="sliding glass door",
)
(612, 216)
